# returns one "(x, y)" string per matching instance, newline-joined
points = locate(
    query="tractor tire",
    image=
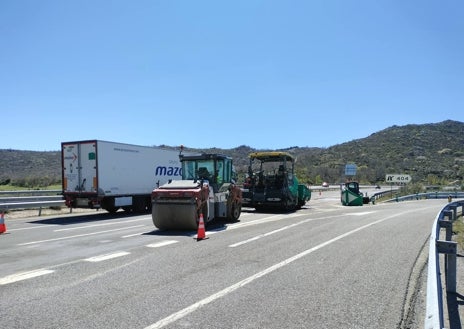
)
(235, 211)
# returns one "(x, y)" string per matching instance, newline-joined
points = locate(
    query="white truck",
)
(109, 175)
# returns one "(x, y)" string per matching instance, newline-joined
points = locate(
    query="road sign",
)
(397, 179)
(350, 170)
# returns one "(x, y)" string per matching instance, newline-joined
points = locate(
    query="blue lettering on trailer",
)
(168, 171)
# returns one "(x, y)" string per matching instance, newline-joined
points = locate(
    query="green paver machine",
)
(272, 184)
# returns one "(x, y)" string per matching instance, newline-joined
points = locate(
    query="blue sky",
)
(266, 74)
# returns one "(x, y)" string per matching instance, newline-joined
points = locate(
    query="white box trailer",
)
(109, 175)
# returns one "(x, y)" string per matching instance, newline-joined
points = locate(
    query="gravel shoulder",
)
(45, 212)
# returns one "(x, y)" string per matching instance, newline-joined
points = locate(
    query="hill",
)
(431, 153)
(29, 168)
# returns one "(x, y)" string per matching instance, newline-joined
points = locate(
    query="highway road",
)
(324, 266)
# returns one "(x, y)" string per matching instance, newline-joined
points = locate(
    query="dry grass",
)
(458, 230)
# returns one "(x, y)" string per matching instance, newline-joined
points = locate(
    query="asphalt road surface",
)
(324, 266)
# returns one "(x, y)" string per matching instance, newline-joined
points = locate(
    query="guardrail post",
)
(449, 248)
(448, 225)
(449, 214)
(454, 209)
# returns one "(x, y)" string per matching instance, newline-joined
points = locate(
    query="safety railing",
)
(434, 317)
(30, 193)
(33, 199)
(429, 195)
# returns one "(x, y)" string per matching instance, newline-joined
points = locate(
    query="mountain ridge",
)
(431, 153)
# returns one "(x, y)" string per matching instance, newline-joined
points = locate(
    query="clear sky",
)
(266, 74)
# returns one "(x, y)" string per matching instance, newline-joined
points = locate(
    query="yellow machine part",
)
(175, 216)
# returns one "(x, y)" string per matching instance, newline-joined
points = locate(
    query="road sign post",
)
(398, 179)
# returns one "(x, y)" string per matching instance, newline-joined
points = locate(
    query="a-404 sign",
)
(397, 179)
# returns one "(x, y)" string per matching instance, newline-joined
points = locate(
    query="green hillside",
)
(433, 154)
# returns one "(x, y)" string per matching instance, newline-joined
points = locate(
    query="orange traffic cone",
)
(2, 223)
(201, 234)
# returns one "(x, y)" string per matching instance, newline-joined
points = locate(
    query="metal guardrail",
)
(428, 195)
(379, 195)
(434, 317)
(35, 200)
(32, 205)
(31, 192)
(31, 198)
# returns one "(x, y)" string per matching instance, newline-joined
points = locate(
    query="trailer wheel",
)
(139, 205)
(108, 205)
(111, 210)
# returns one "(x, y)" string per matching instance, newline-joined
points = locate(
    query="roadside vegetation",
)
(458, 230)
(432, 154)
(21, 188)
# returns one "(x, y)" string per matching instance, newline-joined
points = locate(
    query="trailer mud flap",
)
(174, 216)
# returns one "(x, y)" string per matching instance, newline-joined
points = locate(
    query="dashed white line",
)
(97, 225)
(131, 235)
(78, 235)
(271, 232)
(161, 244)
(107, 256)
(32, 228)
(359, 213)
(24, 276)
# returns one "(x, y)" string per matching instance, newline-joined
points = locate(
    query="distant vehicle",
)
(378, 187)
(325, 184)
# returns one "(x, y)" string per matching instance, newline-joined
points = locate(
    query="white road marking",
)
(261, 220)
(24, 276)
(192, 308)
(78, 236)
(161, 244)
(210, 232)
(131, 235)
(97, 225)
(32, 228)
(271, 232)
(107, 256)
